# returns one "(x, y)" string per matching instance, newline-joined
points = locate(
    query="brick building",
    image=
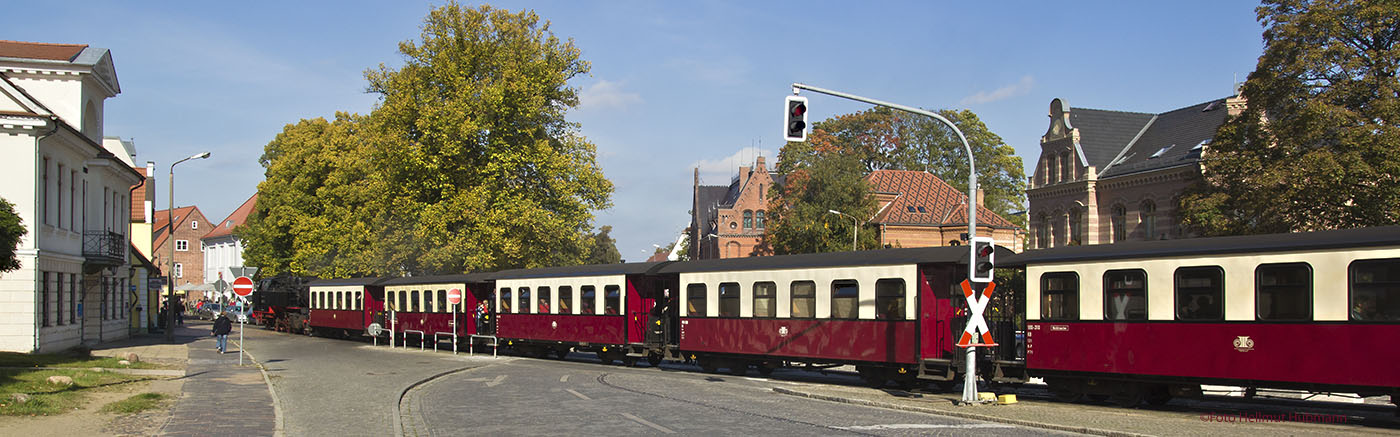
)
(190, 227)
(728, 221)
(917, 209)
(1108, 176)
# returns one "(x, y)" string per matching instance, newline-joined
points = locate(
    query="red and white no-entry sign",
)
(243, 286)
(454, 296)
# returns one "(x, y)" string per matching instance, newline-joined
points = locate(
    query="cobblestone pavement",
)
(220, 398)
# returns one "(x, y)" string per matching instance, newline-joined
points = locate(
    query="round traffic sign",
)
(454, 296)
(243, 286)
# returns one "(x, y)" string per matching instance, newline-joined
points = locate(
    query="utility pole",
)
(970, 380)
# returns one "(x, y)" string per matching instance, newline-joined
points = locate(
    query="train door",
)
(640, 300)
(937, 319)
(482, 322)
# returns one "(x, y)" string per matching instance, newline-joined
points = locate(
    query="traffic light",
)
(981, 261)
(795, 118)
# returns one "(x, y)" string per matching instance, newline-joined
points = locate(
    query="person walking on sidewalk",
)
(222, 326)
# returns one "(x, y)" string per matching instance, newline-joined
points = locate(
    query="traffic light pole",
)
(970, 380)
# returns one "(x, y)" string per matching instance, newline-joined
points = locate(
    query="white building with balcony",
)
(223, 249)
(72, 194)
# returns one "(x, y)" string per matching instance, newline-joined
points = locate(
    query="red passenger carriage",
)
(597, 308)
(344, 307)
(417, 307)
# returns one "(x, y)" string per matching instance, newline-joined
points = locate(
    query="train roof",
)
(344, 281)
(1320, 240)
(438, 279)
(585, 270)
(878, 257)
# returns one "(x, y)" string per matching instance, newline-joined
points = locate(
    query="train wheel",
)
(628, 361)
(874, 378)
(605, 357)
(654, 359)
(766, 368)
(1129, 396)
(561, 352)
(708, 365)
(944, 386)
(738, 368)
(1064, 391)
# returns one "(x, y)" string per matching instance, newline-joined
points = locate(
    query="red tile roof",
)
(238, 216)
(161, 227)
(942, 204)
(38, 50)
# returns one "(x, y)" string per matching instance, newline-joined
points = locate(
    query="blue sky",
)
(674, 86)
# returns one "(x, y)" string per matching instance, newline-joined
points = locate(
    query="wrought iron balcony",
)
(105, 249)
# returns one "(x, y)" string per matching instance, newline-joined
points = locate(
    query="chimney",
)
(981, 196)
(760, 166)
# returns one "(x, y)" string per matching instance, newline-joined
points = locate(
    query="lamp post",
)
(855, 227)
(170, 277)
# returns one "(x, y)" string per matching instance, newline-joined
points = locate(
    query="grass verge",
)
(135, 404)
(71, 359)
(46, 398)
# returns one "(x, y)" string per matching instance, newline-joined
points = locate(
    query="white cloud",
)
(607, 95)
(1006, 92)
(718, 172)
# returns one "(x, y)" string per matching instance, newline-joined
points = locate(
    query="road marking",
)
(564, 378)
(497, 381)
(645, 422)
(921, 426)
(580, 395)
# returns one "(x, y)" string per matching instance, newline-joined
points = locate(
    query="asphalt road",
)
(576, 397)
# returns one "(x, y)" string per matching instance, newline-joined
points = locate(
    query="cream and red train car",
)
(343, 307)
(418, 307)
(1139, 321)
(892, 313)
(593, 308)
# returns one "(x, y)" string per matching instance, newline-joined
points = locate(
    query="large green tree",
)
(822, 176)
(929, 145)
(604, 250)
(11, 230)
(466, 163)
(1318, 146)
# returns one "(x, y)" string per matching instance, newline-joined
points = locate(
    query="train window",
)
(388, 300)
(1059, 296)
(729, 299)
(442, 300)
(1200, 293)
(845, 299)
(505, 300)
(359, 301)
(428, 301)
(588, 300)
(695, 300)
(1283, 291)
(804, 299)
(1125, 295)
(765, 299)
(889, 299)
(524, 300)
(415, 302)
(340, 300)
(1375, 289)
(612, 299)
(543, 299)
(566, 300)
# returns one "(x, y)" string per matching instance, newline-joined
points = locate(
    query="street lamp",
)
(170, 277)
(855, 227)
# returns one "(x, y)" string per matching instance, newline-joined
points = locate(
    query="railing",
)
(104, 248)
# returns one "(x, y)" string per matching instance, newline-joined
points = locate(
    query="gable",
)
(1172, 139)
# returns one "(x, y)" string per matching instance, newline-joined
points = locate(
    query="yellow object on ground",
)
(985, 396)
(1006, 399)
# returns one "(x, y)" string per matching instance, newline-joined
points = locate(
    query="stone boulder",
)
(130, 356)
(19, 398)
(124, 363)
(60, 380)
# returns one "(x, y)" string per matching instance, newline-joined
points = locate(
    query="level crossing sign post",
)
(454, 297)
(243, 287)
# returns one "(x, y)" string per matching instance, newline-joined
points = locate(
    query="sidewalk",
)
(219, 397)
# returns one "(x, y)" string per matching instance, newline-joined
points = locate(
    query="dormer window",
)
(1161, 151)
(922, 210)
(911, 208)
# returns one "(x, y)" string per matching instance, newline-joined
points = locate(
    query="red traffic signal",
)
(795, 118)
(982, 260)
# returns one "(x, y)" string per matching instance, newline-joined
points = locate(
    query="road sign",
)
(454, 296)
(221, 285)
(976, 302)
(243, 286)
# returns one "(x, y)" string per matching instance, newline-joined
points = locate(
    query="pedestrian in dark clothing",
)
(222, 326)
(180, 313)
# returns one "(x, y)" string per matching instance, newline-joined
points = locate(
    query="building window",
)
(612, 300)
(748, 219)
(758, 221)
(804, 299)
(1200, 293)
(44, 292)
(543, 299)
(46, 191)
(1375, 289)
(59, 179)
(588, 300)
(73, 297)
(58, 292)
(566, 300)
(695, 300)
(179, 270)
(1120, 223)
(889, 299)
(182, 245)
(1125, 294)
(72, 201)
(1147, 219)
(1076, 227)
(1042, 231)
(1066, 167)
(729, 299)
(845, 299)
(765, 299)
(1283, 291)
(1059, 296)
(194, 224)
